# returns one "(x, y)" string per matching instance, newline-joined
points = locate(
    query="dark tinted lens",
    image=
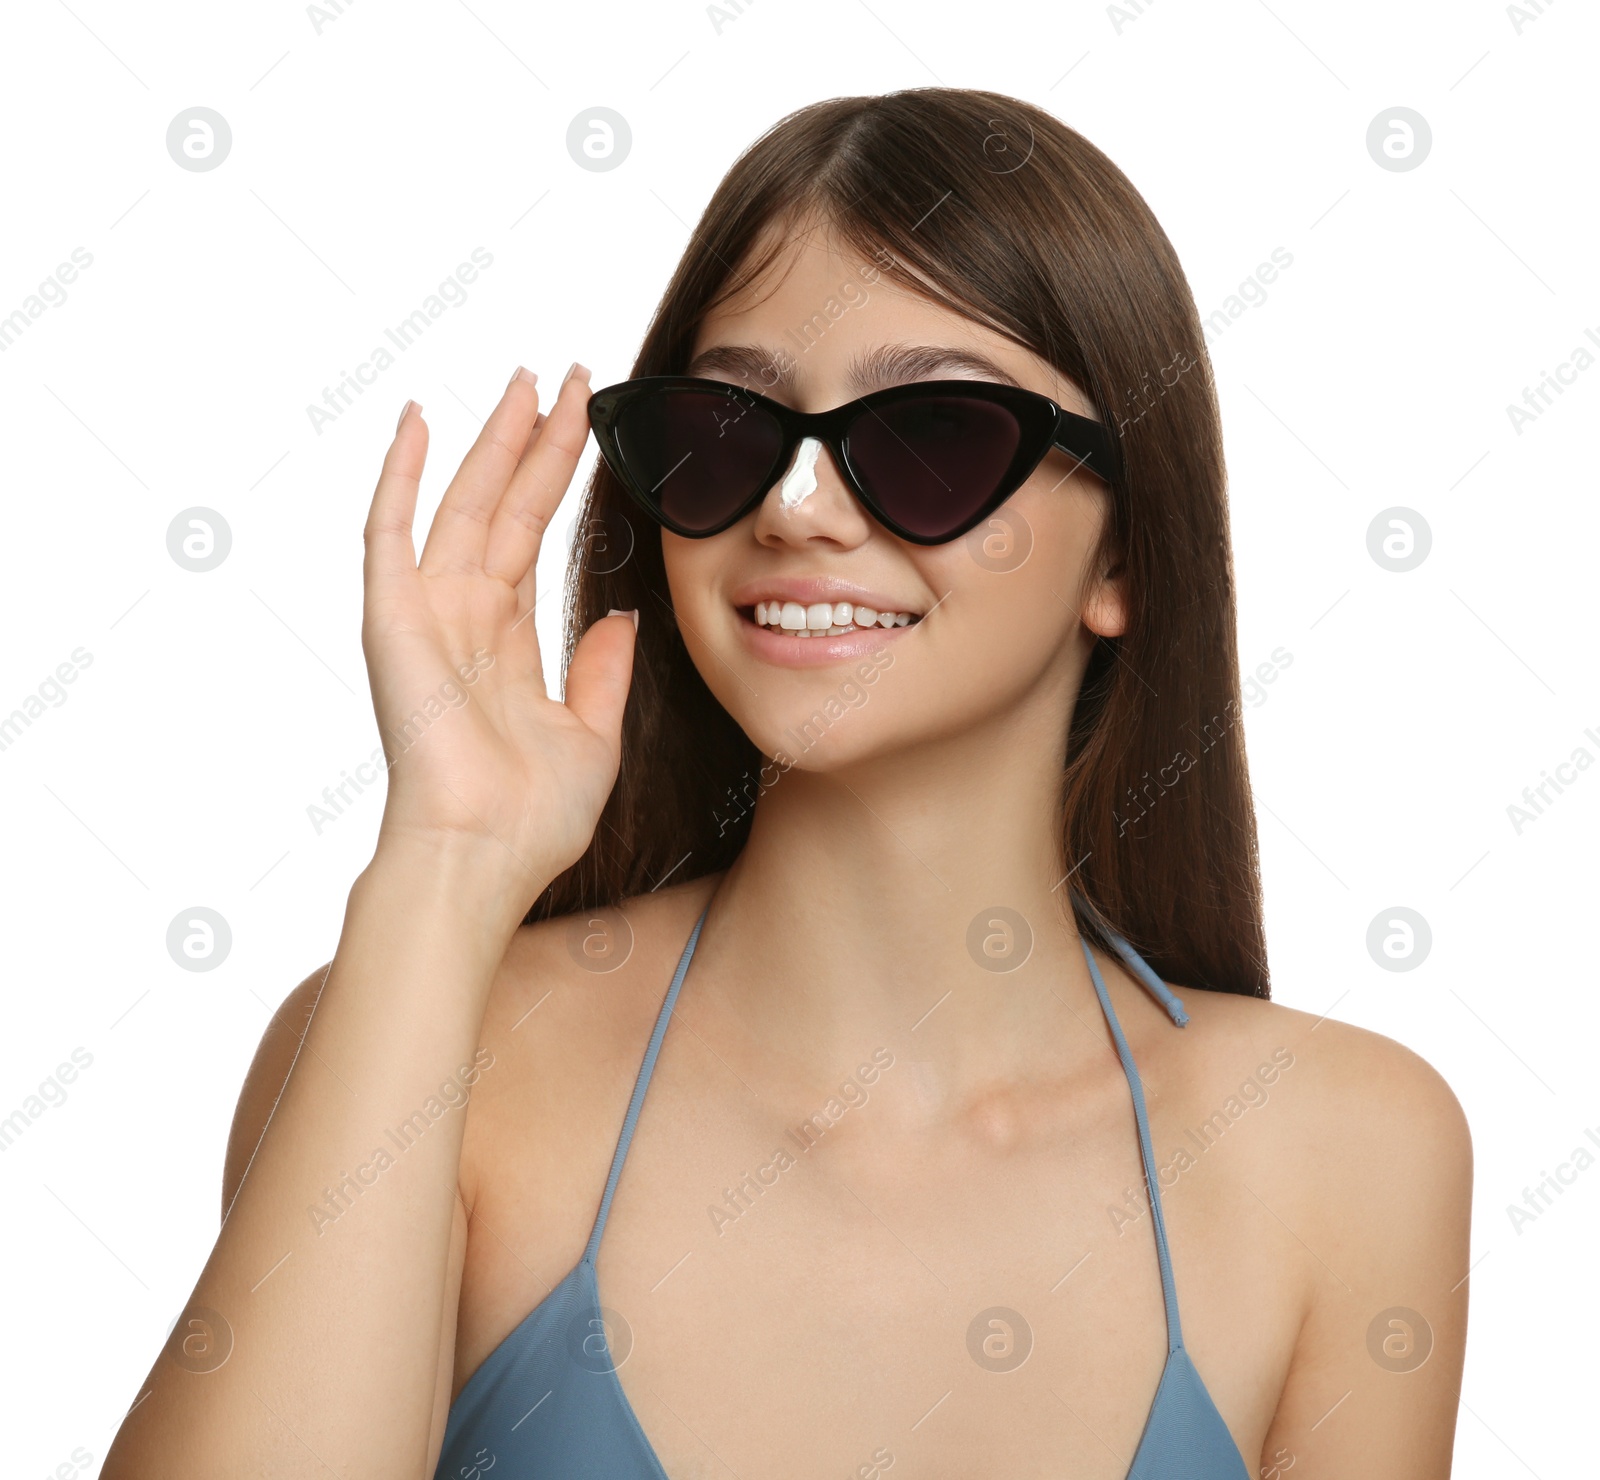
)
(699, 454)
(931, 461)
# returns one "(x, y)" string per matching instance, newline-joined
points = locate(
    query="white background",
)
(370, 159)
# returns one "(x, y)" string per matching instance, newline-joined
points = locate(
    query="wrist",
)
(479, 875)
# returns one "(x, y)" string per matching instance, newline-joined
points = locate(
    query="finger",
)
(533, 434)
(540, 480)
(522, 637)
(390, 550)
(600, 674)
(525, 587)
(460, 529)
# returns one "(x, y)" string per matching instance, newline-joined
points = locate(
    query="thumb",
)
(601, 673)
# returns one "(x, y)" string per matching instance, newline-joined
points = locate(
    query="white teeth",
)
(823, 618)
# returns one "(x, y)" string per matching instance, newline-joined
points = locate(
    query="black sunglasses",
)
(929, 460)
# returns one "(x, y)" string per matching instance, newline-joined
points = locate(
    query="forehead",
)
(822, 309)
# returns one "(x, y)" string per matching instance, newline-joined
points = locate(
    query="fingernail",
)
(522, 373)
(633, 612)
(405, 411)
(574, 370)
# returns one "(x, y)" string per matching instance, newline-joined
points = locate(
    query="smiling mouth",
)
(822, 618)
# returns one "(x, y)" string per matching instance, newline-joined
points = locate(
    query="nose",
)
(810, 501)
(800, 482)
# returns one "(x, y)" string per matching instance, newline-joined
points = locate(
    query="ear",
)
(1105, 609)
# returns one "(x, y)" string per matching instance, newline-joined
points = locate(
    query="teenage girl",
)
(833, 1037)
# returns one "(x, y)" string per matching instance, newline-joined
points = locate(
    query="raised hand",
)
(478, 751)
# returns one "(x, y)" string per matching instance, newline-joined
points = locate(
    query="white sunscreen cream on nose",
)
(801, 480)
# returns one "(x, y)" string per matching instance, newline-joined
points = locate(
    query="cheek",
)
(1015, 586)
(999, 627)
(1051, 528)
(1026, 560)
(691, 567)
(1008, 623)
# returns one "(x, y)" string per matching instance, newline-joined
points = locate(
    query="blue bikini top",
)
(548, 1401)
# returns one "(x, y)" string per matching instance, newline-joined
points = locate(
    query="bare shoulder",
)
(1367, 1106)
(567, 1018)
(1356, 1164)
(1352, 1194)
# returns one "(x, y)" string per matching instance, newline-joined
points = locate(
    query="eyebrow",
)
(890, 364)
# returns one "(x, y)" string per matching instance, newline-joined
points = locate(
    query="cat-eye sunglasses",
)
(929, 459)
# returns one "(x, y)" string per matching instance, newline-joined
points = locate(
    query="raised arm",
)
(317, 1338)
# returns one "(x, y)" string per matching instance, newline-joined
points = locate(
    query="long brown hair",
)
(1007, 216)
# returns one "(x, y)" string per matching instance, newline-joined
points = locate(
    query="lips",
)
(821, 647)
(798, 643)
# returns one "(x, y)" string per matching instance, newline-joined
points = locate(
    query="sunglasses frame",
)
(1042, 424)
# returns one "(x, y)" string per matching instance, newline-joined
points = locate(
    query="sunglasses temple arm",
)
(1071, 436)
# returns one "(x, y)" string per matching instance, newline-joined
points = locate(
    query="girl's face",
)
(1002, 619)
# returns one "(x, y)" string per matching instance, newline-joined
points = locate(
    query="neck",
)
(887, 904)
